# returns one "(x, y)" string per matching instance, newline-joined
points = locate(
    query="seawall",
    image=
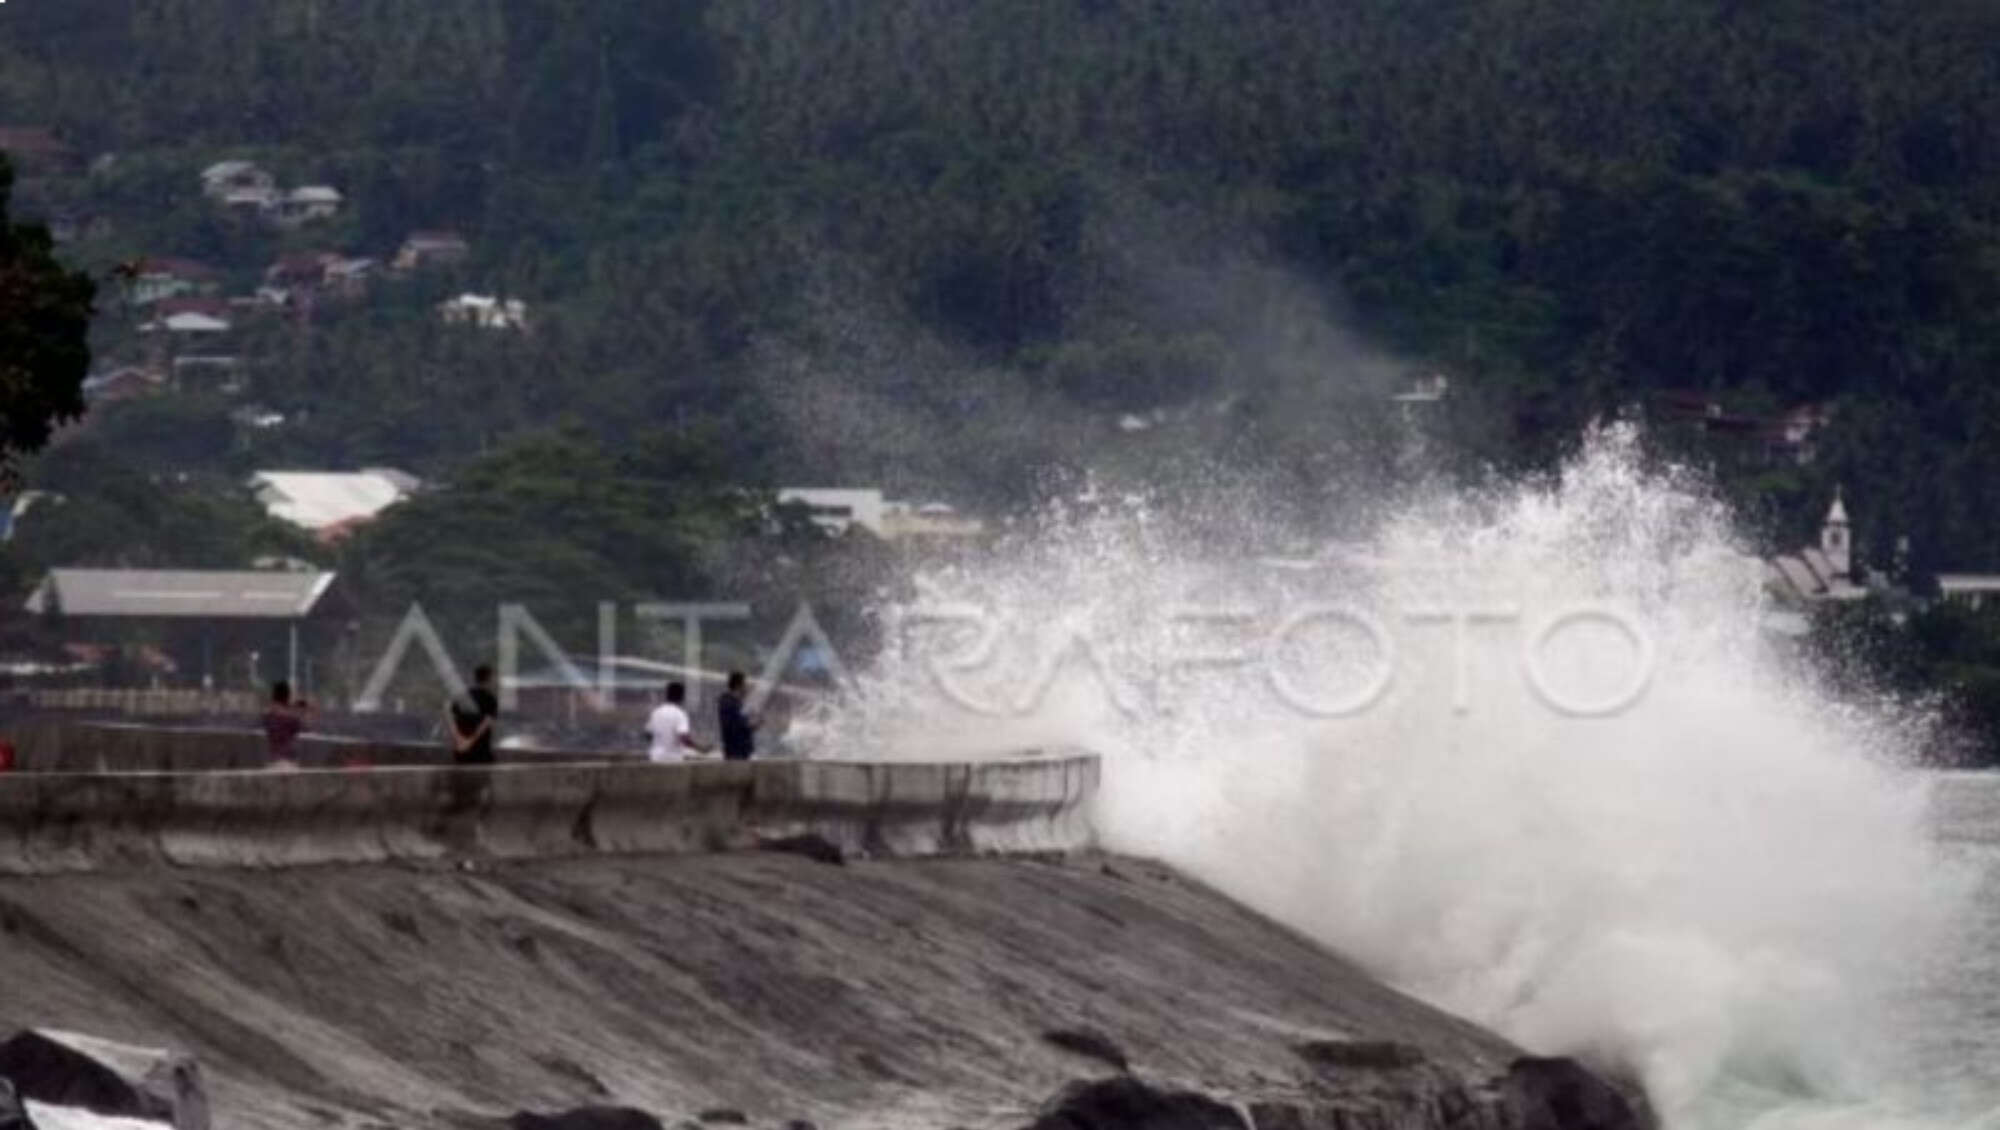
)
(426, 947)
(69, 822)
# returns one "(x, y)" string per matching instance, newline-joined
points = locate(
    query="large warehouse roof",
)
(150, 593)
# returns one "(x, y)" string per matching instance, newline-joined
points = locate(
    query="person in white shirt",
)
(669, 729)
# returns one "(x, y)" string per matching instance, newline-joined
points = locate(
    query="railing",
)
(176, 702)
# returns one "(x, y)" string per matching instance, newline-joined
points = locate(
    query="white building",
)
(836, 509)
(227, 180)
(484, 311)
(1972, 589)
(308, 203)
(1820, 573)
(839, 509)
(190, 322)
(330, 503)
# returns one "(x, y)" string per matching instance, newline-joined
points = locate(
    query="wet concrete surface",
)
(885, 994)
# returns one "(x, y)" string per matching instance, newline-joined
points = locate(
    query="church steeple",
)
(1836, 540)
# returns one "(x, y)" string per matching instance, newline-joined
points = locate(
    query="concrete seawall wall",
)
(68, 822)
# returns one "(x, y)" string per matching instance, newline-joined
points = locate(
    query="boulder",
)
(64, 1069)
(1127, 1103)
(13, 1116)
(1556, 1093)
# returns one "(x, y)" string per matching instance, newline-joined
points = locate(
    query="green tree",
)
(45, 312)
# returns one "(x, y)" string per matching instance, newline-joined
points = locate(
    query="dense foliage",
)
(45, 314)
(949, 248)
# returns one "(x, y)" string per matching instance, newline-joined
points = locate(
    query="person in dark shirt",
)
(284, 721)
(738, 729)
(471, 719)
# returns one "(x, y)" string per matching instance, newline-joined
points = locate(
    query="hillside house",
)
(35, 151)
(348, 278)
(1974, 590)
(153, 280)
(485, 311)
(1792, 435)
(223, 369)
(126, 382)
(190, 324)
(839, 510)
(429, 250)
(301, 270)
(191, 315)
(309, 203)
(240, 186)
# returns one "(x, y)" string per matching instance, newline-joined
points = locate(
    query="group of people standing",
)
(671, 733)
(470, 719)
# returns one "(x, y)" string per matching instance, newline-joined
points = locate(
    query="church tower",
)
(1835, 539)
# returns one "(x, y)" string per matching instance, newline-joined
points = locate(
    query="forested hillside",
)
(948, 248)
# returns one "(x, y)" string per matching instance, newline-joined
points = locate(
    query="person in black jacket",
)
(738, 729)
(470, 720)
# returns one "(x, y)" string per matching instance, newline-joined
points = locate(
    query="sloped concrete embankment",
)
(53, 822)
(879, 995)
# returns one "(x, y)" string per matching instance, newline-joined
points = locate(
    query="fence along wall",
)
(52, 744)
(61, 822)
(139, 701)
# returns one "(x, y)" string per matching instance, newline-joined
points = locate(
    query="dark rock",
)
(1553, 1093)
(812, 845)
(1126, 1103)
(1089, 1044)
(723, 1116)
(64, 1069)
(13, 1116)
(587, 1118)
(800, 1124)
(1359, 1055)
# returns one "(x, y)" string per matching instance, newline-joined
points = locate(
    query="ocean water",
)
(1527, 751)
(1950, 1011)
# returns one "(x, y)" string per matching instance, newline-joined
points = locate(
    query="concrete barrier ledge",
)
(67, 822)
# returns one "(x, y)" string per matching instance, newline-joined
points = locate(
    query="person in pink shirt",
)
(284, 721)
